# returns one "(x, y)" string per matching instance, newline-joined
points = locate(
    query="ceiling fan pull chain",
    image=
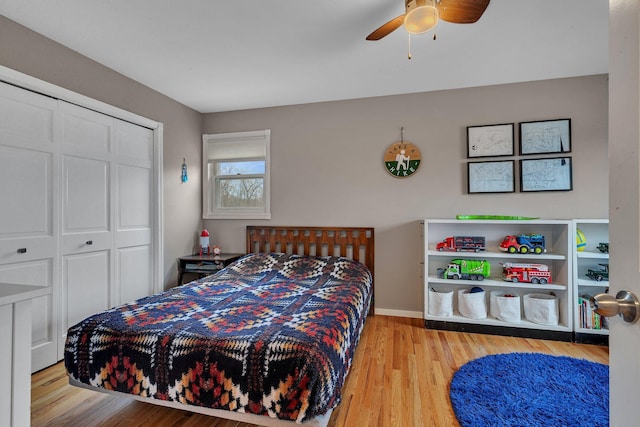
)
(409, 55)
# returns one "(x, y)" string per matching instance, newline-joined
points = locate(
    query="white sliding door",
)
(134, 213)
(28, 235)
(80, 205)
(87, 231)
(107, 213)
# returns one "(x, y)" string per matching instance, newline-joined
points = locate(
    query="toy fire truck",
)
(525, 272)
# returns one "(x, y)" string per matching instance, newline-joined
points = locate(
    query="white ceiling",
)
(215, 55)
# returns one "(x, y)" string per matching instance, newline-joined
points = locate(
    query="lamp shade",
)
(421, 19)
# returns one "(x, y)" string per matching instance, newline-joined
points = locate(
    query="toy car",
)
(603, 247)
(600, 274)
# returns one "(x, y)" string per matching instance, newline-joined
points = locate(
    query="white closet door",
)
(80, 207)
(28, 154)
(134, 216)
(87, 230)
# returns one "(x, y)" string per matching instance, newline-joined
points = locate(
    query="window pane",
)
(241, 168)
(241, 193)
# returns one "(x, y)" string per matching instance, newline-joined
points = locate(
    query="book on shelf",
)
(589, 319)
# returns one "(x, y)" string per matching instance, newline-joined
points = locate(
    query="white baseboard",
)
(398, 313)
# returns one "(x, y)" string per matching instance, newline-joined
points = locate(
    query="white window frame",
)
(210, 210)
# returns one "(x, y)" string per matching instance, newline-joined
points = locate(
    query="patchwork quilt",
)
(271, 334)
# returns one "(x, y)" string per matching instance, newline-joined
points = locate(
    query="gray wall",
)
(28, 52)
(327, 166)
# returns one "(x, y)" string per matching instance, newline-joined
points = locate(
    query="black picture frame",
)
(491, 177)
(545, 137)
(490, 140)
(546, 174)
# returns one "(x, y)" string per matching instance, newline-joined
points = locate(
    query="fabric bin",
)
(541, 309)
(472, 305)
(440, 302)
(505, 308)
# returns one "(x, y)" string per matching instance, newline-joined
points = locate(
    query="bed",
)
(267, 340)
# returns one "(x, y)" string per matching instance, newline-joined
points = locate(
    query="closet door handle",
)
(89, 242)
(22, 250)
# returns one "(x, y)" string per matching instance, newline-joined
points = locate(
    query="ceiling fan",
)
(423, 15)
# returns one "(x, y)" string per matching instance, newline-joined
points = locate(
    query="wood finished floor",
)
(400, 377)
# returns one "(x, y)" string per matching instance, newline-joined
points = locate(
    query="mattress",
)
(271, 334)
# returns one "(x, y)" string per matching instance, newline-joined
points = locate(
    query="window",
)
(235, 169)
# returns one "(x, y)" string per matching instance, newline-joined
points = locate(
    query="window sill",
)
(238, 215)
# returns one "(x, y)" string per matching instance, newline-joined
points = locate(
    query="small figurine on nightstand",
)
(205, 249)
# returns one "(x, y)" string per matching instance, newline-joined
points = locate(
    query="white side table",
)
(15, 352)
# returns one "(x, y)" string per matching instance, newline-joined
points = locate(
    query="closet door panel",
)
(87, 211)
(134, 219)
(86, 195)
(85, 289)
(134, 271)
(86, 132)
(28, 220)
(26, 211)
(27, 120)
(134, 144)
(86, 207)
(27, 161)
(134, 198)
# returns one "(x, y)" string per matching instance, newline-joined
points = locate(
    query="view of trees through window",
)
(240, 183)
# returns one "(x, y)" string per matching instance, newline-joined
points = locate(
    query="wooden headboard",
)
(351, 242)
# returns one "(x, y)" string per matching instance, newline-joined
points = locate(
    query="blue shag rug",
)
(531, 389)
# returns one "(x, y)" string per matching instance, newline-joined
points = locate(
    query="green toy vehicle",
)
(600, 274)
(466, 269)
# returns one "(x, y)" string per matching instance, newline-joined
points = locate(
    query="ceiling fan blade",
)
(387, 28)
(462, 11)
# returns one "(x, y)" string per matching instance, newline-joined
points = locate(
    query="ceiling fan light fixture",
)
(421, 19)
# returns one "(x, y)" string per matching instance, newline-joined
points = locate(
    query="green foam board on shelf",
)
(497, 217)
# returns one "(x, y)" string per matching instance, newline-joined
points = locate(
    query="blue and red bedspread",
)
(271, 334)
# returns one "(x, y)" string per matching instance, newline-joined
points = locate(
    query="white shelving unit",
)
(596, 231)
(558, 257)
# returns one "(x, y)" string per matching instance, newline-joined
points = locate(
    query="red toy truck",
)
(524, 272)
(462, 244)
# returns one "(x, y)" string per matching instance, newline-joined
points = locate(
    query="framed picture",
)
(490, 140)
(548, 136)
(491, 177)
(550, 174)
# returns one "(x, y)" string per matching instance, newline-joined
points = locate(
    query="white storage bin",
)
(505, 308)
(472, 305)
(541, 309)
(440, 302)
